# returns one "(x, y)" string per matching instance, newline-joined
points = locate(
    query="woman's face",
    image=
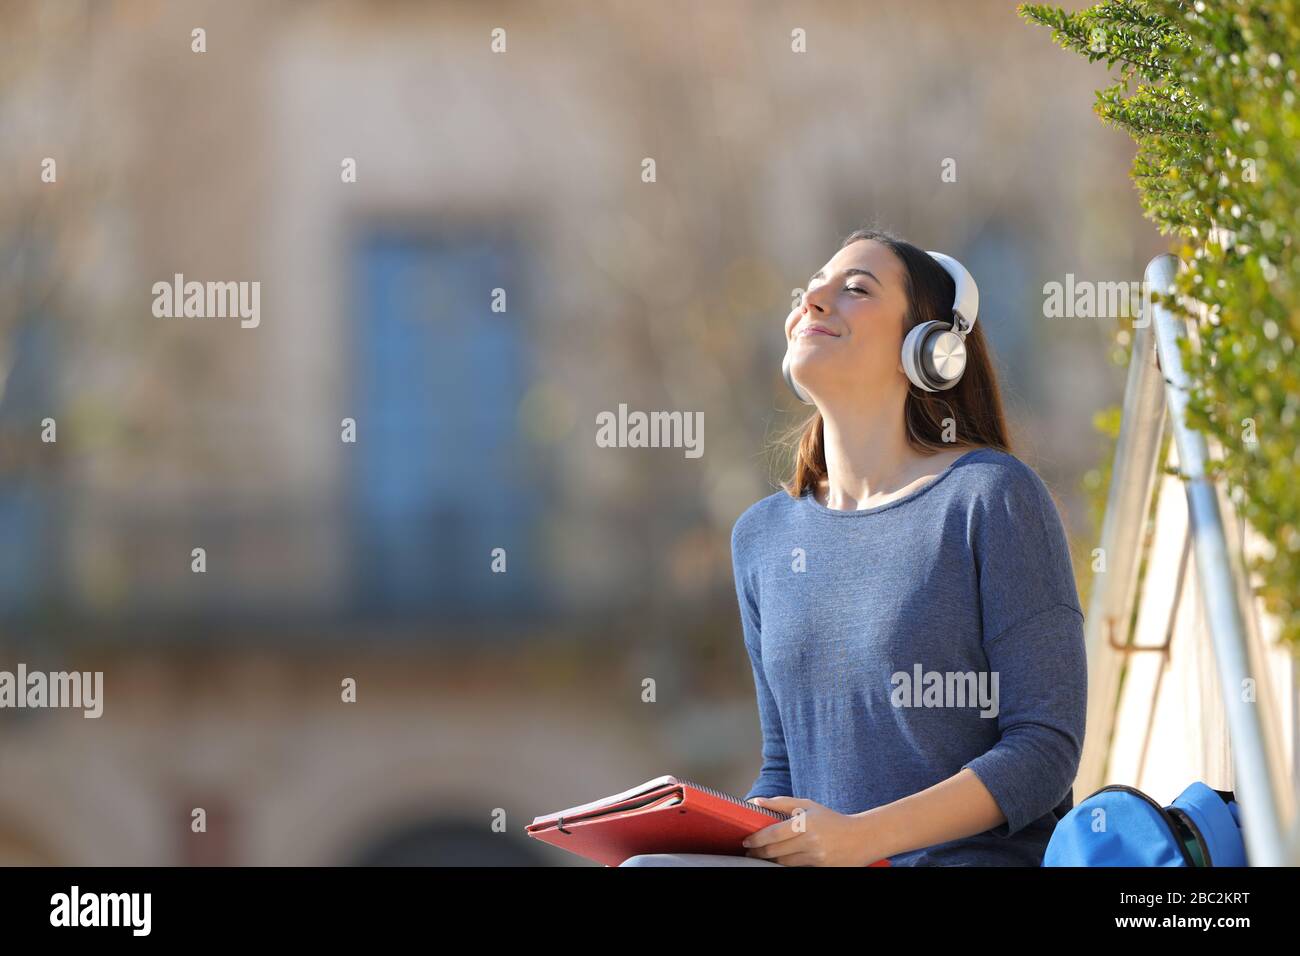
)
(847, 335)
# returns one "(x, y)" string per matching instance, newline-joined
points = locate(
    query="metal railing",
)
(1157, 383)
(1110, 610)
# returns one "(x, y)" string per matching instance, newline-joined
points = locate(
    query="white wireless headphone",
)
(934, 353)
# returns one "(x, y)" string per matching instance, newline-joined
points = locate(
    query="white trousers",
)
(694, 859)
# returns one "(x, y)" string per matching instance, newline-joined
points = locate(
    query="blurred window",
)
(28, 525)
(440, 468)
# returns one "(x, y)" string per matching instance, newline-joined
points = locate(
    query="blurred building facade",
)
(497, 275)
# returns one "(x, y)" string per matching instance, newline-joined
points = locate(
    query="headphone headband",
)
(966, 302)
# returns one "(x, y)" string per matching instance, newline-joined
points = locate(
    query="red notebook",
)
(663, 815)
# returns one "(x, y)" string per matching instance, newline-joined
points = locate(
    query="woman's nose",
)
(811, 299)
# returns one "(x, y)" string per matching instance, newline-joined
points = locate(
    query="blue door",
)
(441, 474)
(31, 489)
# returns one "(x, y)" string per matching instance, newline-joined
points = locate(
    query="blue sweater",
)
(895, 645)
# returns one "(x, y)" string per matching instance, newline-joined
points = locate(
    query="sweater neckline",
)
(810, 499)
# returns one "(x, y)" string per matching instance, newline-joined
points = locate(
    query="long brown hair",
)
(974, 404)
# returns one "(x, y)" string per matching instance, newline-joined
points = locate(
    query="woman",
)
(907, 600)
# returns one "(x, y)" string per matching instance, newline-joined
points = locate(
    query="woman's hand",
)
(819, 836)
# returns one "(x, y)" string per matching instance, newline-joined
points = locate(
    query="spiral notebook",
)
(663, 815)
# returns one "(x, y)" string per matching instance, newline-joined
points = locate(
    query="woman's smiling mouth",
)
(815, 330)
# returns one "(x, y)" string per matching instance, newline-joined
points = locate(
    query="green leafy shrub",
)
(1208, 92)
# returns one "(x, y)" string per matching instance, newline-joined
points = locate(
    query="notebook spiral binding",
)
(726, 796)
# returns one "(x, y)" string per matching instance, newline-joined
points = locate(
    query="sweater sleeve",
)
(774, 778)
(1033, 639)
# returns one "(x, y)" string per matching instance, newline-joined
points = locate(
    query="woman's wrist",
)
(952, 809)
(881, 832)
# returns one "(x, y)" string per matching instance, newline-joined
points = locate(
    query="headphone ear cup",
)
(934, 356)
(789, 380)
(944, 358)
(915, 346)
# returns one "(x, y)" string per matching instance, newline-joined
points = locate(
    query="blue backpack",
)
(1122, 826)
